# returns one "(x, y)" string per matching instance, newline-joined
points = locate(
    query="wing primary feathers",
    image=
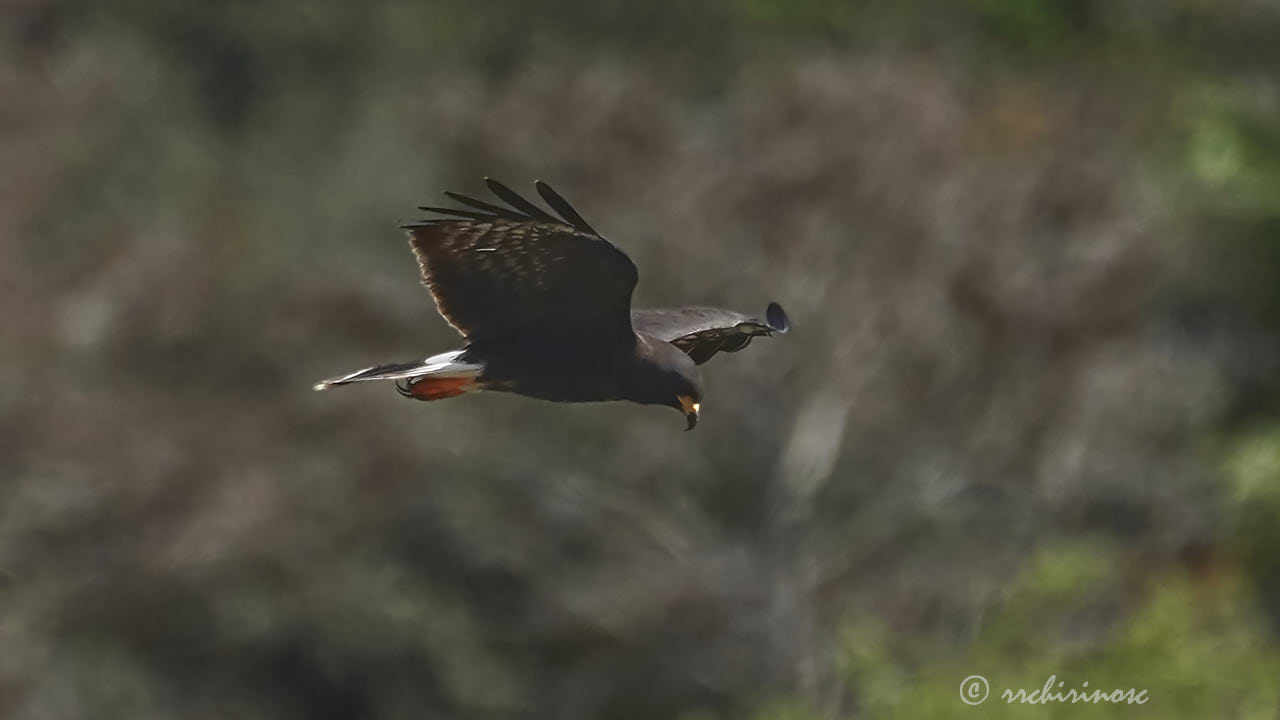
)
(497, 210)
(520, 210)
(459, 212)
(776, 318)
(563, 207)
(510, 197)
(702, 332)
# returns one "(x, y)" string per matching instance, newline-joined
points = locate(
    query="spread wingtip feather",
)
(777, 318)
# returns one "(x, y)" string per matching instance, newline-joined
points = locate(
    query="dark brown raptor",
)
(544, 303)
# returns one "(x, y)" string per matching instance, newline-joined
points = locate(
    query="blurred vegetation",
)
(1195, 640)
(1026, 425)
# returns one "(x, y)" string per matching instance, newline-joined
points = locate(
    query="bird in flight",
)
(544, 304)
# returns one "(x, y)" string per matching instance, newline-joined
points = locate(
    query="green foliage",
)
(1253, 502)
(1232, 161)
(1030, 25)
(1233, 150)
(1253, 472)
(1200, 649)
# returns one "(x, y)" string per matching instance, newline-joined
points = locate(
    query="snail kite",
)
(544, 303)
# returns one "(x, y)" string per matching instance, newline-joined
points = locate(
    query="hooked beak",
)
(690, 410)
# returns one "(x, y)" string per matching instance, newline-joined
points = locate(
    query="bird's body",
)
(564, 372)
(545, 306)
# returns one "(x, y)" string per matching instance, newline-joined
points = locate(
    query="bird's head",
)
(672, 379)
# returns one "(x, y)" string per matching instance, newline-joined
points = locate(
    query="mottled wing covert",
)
(703, 331)
(501, 274)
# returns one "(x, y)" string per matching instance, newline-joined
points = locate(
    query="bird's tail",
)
(435, 378)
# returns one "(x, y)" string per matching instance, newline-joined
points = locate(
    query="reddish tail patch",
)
(439, 388)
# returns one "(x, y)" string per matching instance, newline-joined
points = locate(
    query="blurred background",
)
(1027, 422)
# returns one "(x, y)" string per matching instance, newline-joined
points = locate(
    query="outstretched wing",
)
(702, 331)
(516, 272)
